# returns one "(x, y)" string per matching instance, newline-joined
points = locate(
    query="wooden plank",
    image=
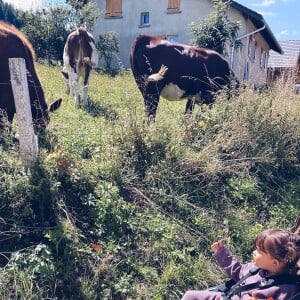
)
(27, 138)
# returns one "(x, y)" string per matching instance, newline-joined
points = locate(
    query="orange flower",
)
(96, 247)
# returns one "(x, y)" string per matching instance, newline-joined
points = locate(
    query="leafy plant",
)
(107, 44)
(216, 30)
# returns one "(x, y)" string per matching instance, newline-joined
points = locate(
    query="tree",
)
(77, 4)
(107, 44)
(8, 13)
(83, 13)
(216, 30)
(47, 30)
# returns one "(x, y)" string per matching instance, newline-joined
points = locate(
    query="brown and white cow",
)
(14, 44)
(176, 71)
(80, 56)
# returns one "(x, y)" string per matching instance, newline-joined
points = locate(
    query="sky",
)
(24, 4)
(32, 4)
(282, 16)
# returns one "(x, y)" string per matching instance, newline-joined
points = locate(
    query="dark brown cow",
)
(176, 71)
(80, 55)
(14, 44)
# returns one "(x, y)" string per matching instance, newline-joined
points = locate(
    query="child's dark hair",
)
(280, 244)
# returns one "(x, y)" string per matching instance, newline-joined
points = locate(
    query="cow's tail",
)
(86, 39)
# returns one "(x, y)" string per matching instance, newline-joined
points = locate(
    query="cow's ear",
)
(55, 105)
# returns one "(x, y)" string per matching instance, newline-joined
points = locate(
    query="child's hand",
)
(254, 296)
(216, 246)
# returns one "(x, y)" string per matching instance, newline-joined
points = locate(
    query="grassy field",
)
(118, 209)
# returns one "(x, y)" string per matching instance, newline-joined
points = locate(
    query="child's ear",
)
(276, 263)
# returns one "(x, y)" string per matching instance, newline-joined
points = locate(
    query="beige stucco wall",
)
(256, 75)
(162, 23)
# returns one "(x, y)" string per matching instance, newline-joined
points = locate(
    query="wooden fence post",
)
(28, 140)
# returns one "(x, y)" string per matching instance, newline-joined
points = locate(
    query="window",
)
(252, 48)
(113, 8)
(173, 38)
(246, 72)
(173, 6)
(145, 19)
(263, 59)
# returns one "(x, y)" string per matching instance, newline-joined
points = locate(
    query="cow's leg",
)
(74, 81)
(151, 103)
(190, 104)
(77, 91)
(86, 85)
(151, 99)
(65, 76)
(85, 95)
(74, 87)
(71, 87)
(66, 73)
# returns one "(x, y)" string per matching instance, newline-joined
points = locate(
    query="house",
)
(286, 66)
(171, 19)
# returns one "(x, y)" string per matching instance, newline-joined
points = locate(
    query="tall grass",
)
(117, 209)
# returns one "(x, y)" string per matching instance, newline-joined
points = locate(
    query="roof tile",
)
(290, 56)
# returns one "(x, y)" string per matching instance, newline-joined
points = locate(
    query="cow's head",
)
(40, 113)
(65, 74)
(40, 107)
(65, 77)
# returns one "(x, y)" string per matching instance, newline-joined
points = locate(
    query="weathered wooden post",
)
(28, 140)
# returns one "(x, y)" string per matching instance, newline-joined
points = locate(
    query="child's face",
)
(264, 261)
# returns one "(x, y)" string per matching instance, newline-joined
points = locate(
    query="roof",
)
(290, 57)
(259, 21)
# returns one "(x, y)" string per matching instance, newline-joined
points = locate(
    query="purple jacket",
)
(236, 271)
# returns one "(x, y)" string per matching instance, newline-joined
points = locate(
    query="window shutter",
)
(113, 8)
(109, 8)
(117, 8)
(173, 5)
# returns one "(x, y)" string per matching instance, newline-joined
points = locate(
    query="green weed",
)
(117, 209)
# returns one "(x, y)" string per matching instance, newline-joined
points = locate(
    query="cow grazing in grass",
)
(176, 71)
(80, 56)
(14, 44)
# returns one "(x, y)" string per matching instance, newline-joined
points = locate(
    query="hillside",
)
(117, 209)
